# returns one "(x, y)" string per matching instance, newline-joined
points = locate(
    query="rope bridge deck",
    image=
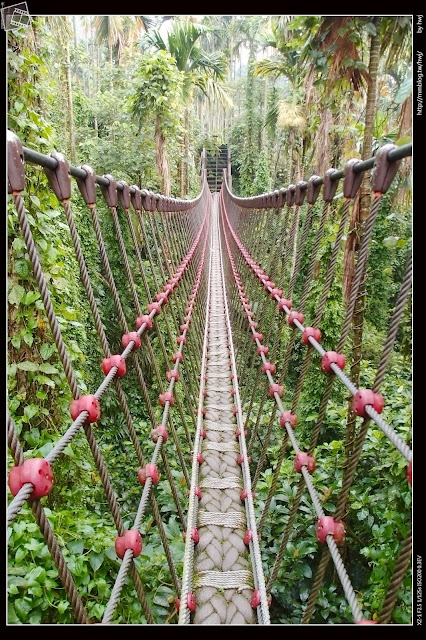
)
(218, 299)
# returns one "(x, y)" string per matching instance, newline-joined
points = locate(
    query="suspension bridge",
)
(220, 265)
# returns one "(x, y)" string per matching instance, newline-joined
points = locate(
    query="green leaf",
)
(307, 571)
(38, 574)
(30, 411)
(161, 600)
(76, 546)
(370, 29)
(45, 367)
(404, 90)
(111, 555)
(22, 268)
(35, 200)
(16, 294)
(17, 581)
(34, 545)
(16, 341)
(27, 365)
(45, 449)
(403, 140)
(31, 297)
(63, 606)
(28, 338)
(35, 617)
(97, 611)
(60, 283)
(18, 244)
(46, 350)
(68, 451)
(304, 594)
(45, 380)
(96, 560)
(12, 618)
(390, 241)
(22, 608)
(20, 554)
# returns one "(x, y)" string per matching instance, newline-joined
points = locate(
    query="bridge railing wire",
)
(178, 226)
(253, 221)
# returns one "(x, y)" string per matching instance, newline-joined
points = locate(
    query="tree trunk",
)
(111, 63)
(161, 159)
(74, 27)
(361, 214)
(186, 142)
(182, 170)
(70, 104)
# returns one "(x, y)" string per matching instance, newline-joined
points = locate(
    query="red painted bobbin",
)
(364, 397)
(89, 403)
(150, 470)
(114, 361)
(35, 470)
(131, 539)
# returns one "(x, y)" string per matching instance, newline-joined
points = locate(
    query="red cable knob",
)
(148, 471)
(327, 525)
(255, 599)
(332, 357)
(276, 388)
(145, 319)
(364, 397)
(295, 315)
(305, 460)
(172, 373)
(262, 349)
(154, 306)
(89, 403)
(269, 366)
(35, 470)
(311, 332)
(240, 459)
(131, 337)
(160, 430)
(244, 494)
(284, 302)
(114, 361)
(131, 539)
(191, 603)
(248, 536)
(166, 397)
(287, 416)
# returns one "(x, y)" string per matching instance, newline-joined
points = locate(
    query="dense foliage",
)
(140, 107)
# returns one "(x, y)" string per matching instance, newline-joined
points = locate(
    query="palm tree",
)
(158, 77)
(200, 71)
(118, 31)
